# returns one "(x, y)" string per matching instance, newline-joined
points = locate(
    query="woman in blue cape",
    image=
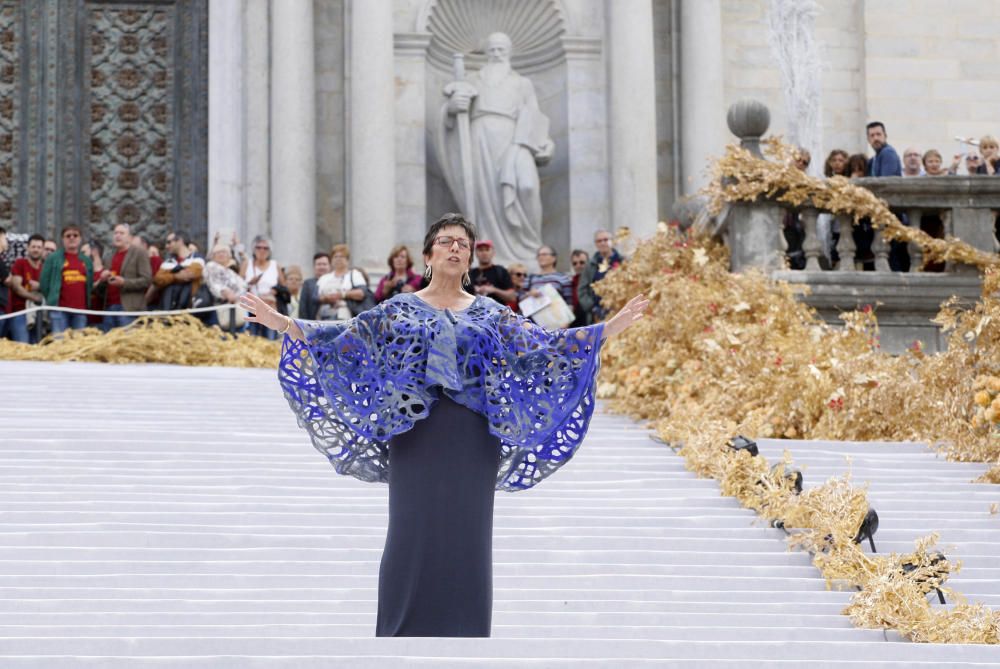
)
(447, 397)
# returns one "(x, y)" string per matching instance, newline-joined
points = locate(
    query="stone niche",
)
(568, 77)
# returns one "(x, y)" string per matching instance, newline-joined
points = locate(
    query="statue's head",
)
(498, 48)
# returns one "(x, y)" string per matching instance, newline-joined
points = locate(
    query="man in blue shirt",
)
(886, 163)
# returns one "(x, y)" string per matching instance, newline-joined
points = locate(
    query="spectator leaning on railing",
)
(934, 164)
(990, 150)
(912, 164)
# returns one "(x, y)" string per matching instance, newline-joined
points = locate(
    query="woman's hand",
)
(261, 312)
(629, 314)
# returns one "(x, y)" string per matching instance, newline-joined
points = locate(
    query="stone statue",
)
(491, 138)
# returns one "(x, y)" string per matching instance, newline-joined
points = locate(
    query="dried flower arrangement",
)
(724, 354)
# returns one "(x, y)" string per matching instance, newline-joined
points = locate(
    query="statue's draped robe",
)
(507, 128)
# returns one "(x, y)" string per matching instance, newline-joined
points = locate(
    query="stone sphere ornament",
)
(749, 119)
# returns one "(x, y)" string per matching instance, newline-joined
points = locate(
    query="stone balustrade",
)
(955, 206)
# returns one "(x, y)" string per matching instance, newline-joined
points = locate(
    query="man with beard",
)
(24, 285)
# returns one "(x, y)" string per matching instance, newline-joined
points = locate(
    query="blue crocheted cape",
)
(355, 384)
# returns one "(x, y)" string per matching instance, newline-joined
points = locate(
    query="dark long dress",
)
(436, 577)
(462, 403)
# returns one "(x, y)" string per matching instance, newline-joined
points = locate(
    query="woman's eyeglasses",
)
(447, 241)
(518, 274)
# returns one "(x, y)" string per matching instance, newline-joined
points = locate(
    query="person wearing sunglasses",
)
(446, 397)
(67, 281)
(605, 259)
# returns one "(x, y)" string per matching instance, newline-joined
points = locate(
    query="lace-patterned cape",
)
(355, 384)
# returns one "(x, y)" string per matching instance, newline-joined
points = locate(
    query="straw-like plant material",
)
(722, 354)
(175, 340)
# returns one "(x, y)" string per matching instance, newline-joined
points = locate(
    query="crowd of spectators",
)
(982, 158)
(134, 276)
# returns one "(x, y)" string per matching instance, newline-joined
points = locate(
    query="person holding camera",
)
(401, 277)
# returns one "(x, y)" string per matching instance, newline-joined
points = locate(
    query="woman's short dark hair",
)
(858, 161)
(444, 222)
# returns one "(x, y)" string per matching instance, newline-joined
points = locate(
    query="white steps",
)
(157, 516)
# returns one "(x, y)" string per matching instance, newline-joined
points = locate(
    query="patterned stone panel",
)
(131, 140)
(10, 42)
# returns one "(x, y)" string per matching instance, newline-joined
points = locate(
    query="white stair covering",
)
(158, 516)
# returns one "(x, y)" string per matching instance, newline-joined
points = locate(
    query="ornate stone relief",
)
(131, 143)
(108, 102)
(10, 41)
(462, 26)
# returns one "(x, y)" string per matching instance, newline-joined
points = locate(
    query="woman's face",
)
(293, 282)
(261, 250)
(223, 257)
(517, 277)
(932, 165)
(400, 261)
(988, 150)
(838, 162)
(339, 261)
(451, 252)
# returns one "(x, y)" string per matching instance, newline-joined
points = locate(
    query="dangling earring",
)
(428, 272)
(466, 279)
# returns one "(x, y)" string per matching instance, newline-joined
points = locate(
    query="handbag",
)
(364, 304)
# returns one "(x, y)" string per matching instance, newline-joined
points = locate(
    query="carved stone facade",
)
(10, 41)
(108, 105)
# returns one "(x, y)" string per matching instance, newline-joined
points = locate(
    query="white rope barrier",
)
(94, 312)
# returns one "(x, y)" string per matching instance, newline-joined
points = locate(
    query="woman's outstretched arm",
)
(261, 312)
(628, 315)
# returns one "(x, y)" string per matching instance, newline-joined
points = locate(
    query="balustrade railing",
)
(950, 206)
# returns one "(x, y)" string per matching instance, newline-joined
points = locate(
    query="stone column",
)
(411, 140)
(702, 131)
(371, 204)
(226, 119)
(293, 131)
(257, 129)
(588, 142)
(632, 103)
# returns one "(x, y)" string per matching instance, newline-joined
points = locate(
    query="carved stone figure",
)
(491, 140)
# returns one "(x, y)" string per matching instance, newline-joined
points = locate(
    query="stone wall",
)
(925, 69)
(931, 70)
(663, 41)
